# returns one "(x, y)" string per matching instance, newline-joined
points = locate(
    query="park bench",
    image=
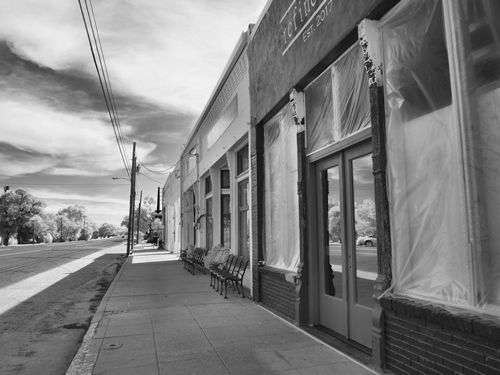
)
(217, 269)
(195, 260)
(232, 273)
(236, 277)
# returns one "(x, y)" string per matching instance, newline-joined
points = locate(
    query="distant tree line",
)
(149, 227)
(23, 220)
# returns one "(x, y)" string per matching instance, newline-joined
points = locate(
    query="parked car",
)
(366, 241)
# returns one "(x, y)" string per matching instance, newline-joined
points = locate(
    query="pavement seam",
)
(154, 343)
(83, 362)
(210, 342)
(318, 340)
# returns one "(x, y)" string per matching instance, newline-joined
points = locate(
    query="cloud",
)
(164, 59)
(79, 94)
(61, 138)
(171, 52)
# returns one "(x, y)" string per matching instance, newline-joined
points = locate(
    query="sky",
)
(163, 57)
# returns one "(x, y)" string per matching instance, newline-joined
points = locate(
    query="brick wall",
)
(424, 338)
(277, 293)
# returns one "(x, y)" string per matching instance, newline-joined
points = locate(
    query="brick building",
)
(350, 149)
(375, 129)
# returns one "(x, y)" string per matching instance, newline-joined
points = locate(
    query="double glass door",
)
(347, 252)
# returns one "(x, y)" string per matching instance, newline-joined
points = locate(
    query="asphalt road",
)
(20, 262)
(48, 294)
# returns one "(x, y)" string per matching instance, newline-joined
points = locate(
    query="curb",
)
(85, 358)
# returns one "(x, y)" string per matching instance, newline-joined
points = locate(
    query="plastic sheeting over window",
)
(482, 29)
(426, 188)
(337, 103)
(281, 200)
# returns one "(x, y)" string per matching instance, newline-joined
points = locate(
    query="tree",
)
(16, 210)
(107, 230)
(148, 208)
(74, 213)
(334, 216)
(366, 223)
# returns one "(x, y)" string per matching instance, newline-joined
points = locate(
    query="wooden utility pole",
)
(138, 217)
(130, 237)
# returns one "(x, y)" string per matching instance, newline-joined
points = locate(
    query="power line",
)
(104, 87)
(109, 82)
(152, 179)
(162, 172)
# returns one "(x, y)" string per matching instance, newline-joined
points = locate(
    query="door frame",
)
(357, 141)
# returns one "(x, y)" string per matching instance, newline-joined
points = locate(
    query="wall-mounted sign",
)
(302, 19)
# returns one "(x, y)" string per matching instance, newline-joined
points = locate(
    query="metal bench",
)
(196, 260)
(214, 269)
(236, 277)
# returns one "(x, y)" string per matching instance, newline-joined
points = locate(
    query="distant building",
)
(214, 165)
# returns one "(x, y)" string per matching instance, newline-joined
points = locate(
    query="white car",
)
(366, 241)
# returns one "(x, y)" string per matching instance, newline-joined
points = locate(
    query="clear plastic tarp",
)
(427, 141)
(480, 20)
(337, 103)
(426, 190)
(281, 199)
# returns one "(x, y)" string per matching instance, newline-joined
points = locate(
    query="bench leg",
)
(225, 283)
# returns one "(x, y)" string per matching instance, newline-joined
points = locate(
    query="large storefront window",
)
(209, 223)
(434, 257)
(337, 103)
(243, 219)
(483, 32)
(225, 220)
(281, 201)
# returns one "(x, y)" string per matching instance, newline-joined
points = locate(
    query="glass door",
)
(347, 242)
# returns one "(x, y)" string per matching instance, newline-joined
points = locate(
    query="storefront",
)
(375, 128)
(215, 169)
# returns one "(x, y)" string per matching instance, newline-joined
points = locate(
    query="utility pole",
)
(61, 230)
(84, 230)
(138, 217)
(130, 237)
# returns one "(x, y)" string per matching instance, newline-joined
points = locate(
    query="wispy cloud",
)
(163, 58)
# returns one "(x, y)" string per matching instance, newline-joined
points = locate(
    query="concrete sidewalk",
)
(157, 318)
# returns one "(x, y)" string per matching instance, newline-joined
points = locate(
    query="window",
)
(191, 161)
(209, 223)
(208, 185)
(429, 142)
(242, 160)
(243, 219)
(225, 220)
(337, 103)
(483, 31)
(281, 201)
(224, 179)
